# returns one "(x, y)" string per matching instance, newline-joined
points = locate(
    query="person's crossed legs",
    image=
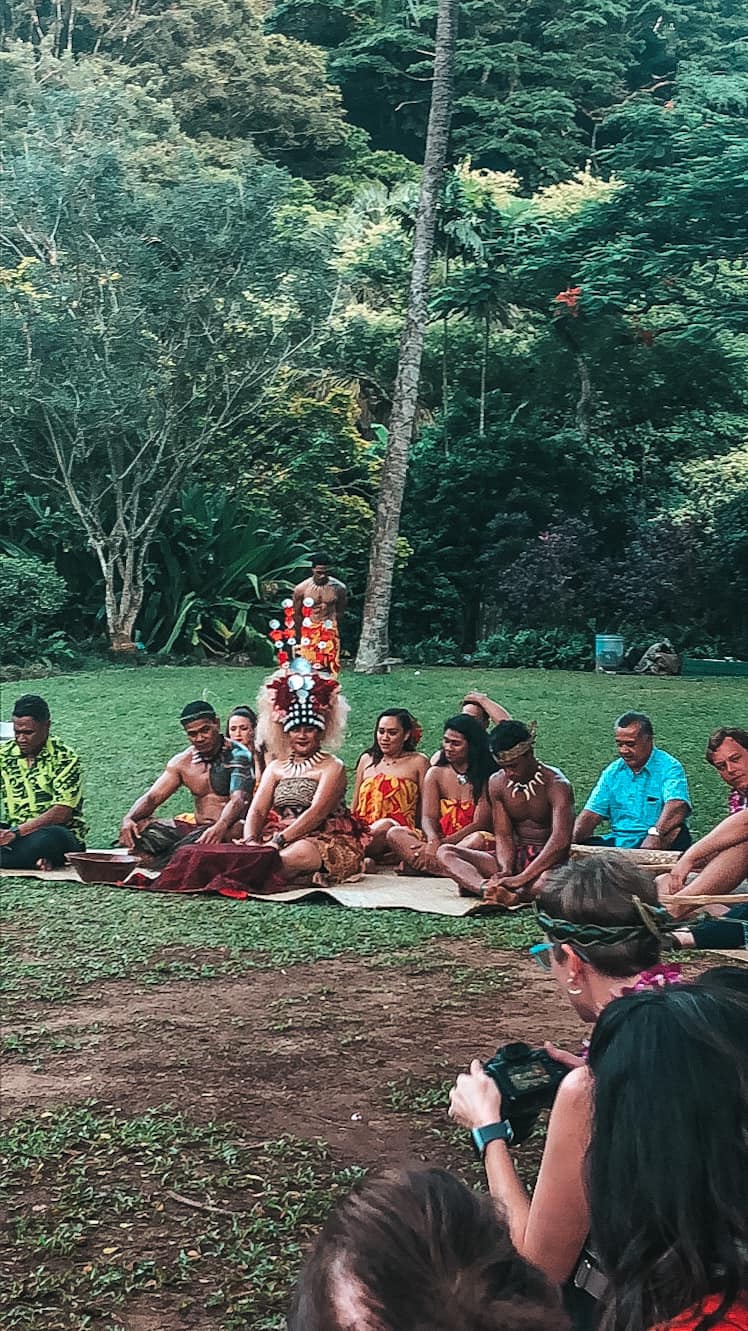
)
(43, 849)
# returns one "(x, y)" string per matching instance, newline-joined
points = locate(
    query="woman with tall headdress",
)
(299, 806)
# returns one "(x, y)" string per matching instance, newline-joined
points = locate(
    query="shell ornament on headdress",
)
(283, 636)
(303, 690)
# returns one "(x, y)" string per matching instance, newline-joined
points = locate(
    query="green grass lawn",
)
(124, 722)
(91, 1190)
(124, 725)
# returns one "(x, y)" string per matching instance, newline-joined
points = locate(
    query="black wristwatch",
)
(491, 1132)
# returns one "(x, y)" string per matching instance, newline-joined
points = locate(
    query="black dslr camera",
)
(528, 1080)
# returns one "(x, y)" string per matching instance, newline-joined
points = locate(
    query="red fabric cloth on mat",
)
(228, 870)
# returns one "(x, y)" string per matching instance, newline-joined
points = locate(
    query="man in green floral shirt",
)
(41, 795)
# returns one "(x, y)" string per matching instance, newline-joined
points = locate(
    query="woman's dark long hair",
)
(409, 725)
(668, 1159)
(480, 763)
(248, 713)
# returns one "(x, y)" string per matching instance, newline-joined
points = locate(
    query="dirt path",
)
(310, 1051)
(356, 1054)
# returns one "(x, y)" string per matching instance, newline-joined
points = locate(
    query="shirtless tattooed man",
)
(218, 773)
(532, 807)
(318, 603)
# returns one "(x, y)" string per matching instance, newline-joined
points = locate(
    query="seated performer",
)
(643, 794)
(483, 710)
(241, 726)
(318, 605)
(389, 779)
(719, 860)
(299, 806)
(455, 798)
(727, 751)
(218, 773)
(40, 792)
(532, 807)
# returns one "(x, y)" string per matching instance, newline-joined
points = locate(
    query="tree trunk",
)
(121, 644)
(373, 647)
(445, 358)
(122, 604)
(483, 367)
(584, 402)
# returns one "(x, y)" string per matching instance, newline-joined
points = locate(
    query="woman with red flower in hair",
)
(299, 806)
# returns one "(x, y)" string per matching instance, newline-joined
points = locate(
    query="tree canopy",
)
(205, 239)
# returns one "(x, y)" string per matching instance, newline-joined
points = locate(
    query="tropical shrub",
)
(550, 649)
(214, 578)
(32, 599)
(435, 651)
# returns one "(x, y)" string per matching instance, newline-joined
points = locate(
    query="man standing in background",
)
(318, 603)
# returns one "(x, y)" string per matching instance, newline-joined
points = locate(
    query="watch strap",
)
(491, 1132)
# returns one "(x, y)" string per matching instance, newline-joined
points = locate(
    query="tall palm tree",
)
(373, 646)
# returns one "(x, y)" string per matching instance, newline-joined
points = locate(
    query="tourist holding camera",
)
(602, 921)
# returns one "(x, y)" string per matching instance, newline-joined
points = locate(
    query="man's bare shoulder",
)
(497, 784)
(559, 788)
(180, 760)
(302, 588)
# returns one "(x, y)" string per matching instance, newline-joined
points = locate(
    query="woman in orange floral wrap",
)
(389, 779)
(455, 802)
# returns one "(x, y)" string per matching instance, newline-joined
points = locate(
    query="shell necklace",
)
(304, 765)
(526, 788)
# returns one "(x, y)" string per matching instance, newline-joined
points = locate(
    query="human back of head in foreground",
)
(668, 1160)
(606, 907)
(418, 1251)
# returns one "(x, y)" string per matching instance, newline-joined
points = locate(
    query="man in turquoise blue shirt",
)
(643, 794)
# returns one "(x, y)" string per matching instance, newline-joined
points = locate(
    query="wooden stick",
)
(728, 899)
(200, 1206)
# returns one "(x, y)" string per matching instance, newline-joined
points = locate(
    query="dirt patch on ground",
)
(310, 1050)
(174, 1225)
(313, 1050)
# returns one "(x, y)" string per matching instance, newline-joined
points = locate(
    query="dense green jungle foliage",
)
(204, 253)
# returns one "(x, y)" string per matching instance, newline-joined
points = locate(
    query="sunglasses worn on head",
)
(541, 953)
